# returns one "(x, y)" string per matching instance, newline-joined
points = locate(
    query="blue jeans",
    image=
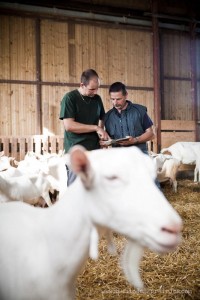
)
(71, 176)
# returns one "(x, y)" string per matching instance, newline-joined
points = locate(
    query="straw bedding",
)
(173, 276)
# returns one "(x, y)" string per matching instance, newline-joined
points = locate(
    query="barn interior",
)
(152, 46)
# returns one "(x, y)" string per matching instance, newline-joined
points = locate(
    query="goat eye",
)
(113, 177)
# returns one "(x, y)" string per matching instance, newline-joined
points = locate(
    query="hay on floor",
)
(173, 276)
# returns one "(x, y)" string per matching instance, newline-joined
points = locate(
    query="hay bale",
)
(174, 276)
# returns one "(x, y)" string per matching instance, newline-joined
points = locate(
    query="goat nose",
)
(173, 228)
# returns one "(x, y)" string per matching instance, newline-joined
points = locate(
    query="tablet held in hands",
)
(116, 141)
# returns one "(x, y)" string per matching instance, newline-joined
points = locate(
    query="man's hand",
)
(105, 144)
(131, 141)
(102, 134)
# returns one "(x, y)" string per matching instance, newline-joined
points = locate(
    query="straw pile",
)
(173, 276)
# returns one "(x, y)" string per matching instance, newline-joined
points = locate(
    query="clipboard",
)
(116, 141)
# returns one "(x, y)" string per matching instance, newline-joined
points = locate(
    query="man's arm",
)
(101, 124)
(76, 127)
(148, 135)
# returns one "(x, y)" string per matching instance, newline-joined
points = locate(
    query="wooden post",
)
(30, 143)
(14, 142)
(38, 78)
(22, 148)
(53, 141)
(6, 148)
(156, 75)
(38, 144)
(60, 143)
(194, 77)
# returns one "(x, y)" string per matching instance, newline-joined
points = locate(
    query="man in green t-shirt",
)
(82, 113)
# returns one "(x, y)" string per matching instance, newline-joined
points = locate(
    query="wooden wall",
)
(176, 80)
(65, 49)
(17, 60)
(179, 112)
(41, 59)
(198, 77)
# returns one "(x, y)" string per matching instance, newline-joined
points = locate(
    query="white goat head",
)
(130, 201)
(122, 196)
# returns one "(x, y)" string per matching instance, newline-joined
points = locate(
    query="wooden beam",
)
(70, 84)
(156, 76)
(38, 77)
(177, 125)
(194, 77)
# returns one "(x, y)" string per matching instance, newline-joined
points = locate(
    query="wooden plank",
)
(60, 143)
(38, 144)
(29, 143)
(46, 146)
(169, 138)
(45, 143)
(22, 148)
(72, 52)
(54, 59)
(45, 115)
(1, 145)
(184, 167)
(177, 125)
(22, 48)
(5, 48)
(6, 142)
(14, 142)
(53, 141)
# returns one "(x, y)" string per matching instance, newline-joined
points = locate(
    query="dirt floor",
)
(173, 276)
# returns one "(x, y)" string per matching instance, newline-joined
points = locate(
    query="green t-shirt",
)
(88, 111)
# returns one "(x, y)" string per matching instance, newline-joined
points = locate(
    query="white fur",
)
(11, 172)
(50, 164)
(130, 260)
(187, 153)
(43, 250)
(25, 188)
(167, 167)
(5, 161)
(32, 165)
(57, 172)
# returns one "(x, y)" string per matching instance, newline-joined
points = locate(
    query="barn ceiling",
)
(174, 11)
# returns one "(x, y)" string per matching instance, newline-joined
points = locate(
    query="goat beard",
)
(130, 261)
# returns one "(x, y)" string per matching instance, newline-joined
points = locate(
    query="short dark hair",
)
(87, 75)
(118, 87)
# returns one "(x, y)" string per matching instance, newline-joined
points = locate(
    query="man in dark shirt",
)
(127, 119)
(82, 112)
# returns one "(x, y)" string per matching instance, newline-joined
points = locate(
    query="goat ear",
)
(80, 165)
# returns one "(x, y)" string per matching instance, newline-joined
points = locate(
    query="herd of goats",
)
(48, 230)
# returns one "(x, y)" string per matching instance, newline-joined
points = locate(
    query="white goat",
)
(5, 161)
(51, 164)
(11, 172)
(25, 188)
(187, 153)
(57, 172)
(167, 167)
(43, 250)
(32, 165)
